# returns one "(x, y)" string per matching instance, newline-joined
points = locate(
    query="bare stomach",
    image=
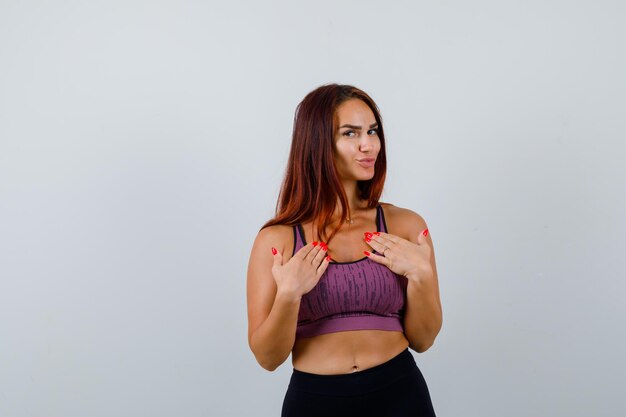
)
(346, 352)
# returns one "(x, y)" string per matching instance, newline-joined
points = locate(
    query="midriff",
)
(347, 351)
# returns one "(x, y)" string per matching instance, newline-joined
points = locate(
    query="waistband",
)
(356, 383)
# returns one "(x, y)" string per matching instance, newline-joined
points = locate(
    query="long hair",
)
(311, 186)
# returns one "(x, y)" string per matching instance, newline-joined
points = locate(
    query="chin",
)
(364, 177)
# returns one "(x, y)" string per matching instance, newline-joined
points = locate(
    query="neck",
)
(355, 208)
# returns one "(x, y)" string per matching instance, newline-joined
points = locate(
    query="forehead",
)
(353, 111)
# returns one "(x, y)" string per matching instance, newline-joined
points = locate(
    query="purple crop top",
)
(355, 295)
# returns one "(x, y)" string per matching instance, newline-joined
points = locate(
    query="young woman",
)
(347, 319)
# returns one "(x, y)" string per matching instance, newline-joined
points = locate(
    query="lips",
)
(367, 162)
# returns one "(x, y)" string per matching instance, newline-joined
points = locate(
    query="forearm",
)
(423, 316)
(273, 341)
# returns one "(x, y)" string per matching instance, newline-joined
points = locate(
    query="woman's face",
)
(356, 141)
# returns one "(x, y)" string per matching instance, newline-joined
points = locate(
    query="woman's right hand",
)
(302, 272)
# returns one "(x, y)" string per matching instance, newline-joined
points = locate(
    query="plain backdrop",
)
(142, 146)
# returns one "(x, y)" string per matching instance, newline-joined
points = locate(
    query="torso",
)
(356, 350)
(346, 352)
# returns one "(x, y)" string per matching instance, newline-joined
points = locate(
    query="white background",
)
(142, 145)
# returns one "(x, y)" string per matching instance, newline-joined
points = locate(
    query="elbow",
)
(266, 362)
(268, 365)
(422, 345)
(422, 348)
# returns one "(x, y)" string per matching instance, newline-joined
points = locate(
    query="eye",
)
(374, 130)
(346, 133)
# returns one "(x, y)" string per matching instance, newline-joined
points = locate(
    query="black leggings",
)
(395, 388)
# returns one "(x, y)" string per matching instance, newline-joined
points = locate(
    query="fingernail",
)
(425, 232)
(315, 243)
(274, 251)
(368, 235)
(366, 253)
(368, 239)
(377, 233)
(328, 258)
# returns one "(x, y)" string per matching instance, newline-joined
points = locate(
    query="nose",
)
(365, 145)
(366, 150)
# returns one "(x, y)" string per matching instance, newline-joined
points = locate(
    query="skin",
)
(410, 255)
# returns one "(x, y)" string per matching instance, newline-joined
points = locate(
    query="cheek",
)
(345, 154)
(340, 149)
(377, 146)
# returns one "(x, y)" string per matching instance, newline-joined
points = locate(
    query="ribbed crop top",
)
(357, 295)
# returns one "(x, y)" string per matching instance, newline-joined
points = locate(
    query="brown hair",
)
(311, 186)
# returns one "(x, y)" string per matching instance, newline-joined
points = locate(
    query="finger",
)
(306, 250)
(376, 243)
(278, 257)
(323, 266)
(386, 237)
(378, 258)
(316, 247)
(321, 254)
(423, 237)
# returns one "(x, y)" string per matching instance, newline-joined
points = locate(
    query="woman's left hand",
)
(402, 256)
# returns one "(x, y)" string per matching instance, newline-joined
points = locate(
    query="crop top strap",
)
(298, 239)
(380, 217)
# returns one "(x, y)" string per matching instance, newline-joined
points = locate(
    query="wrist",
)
(412, 276)
(288, 296)
(416, 277)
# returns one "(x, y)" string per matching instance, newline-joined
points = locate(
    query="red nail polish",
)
(368, 235)
(377, 233)
(366, 253)
(368, 239)
(315, 243)
(425, 232)
(274, 251)
(328, 258)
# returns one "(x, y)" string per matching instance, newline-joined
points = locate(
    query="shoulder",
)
(403, 222)
(280, 236)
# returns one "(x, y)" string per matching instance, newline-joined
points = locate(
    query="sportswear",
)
(395, 388)
(356, 295)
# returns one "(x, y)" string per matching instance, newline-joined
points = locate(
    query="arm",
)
(423, 315)
(272, 315)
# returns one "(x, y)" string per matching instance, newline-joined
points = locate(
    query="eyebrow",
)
(357, 127)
